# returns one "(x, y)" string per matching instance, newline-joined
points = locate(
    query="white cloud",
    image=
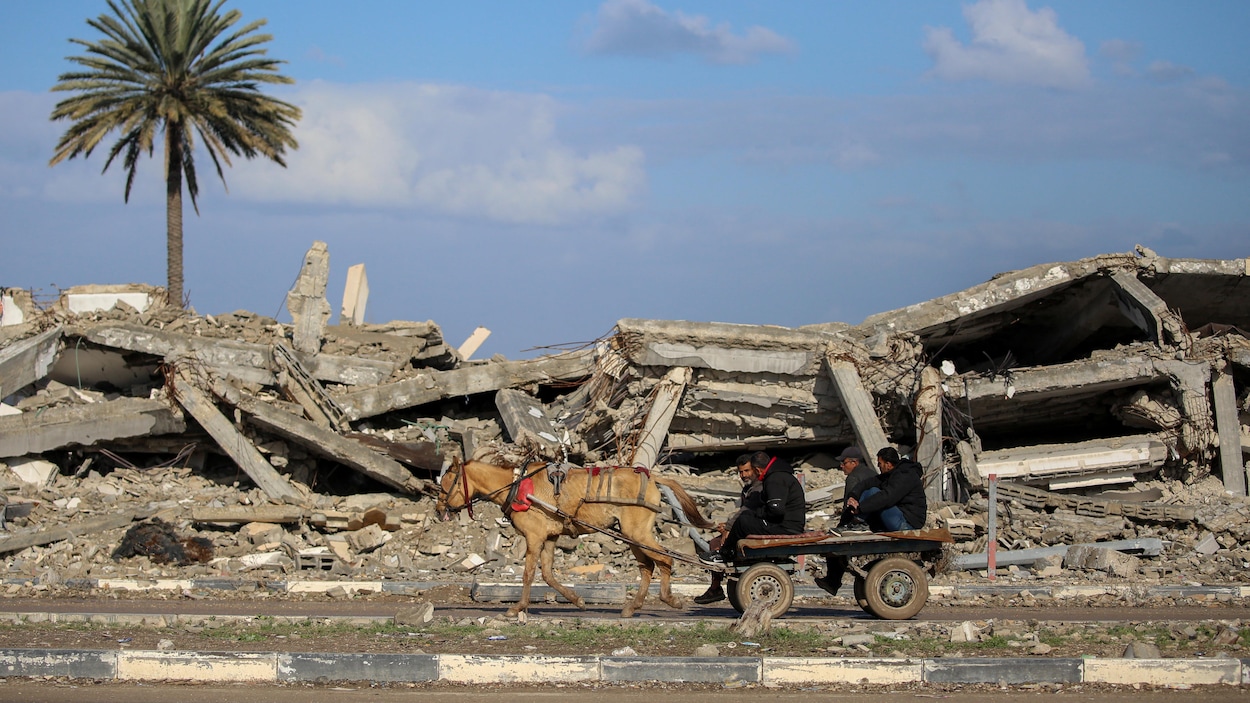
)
(639, 28)
(1122, 54)
(1010, 44)
(444, 149)
(1168, 72)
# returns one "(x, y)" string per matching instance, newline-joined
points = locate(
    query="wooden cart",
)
(891, 569)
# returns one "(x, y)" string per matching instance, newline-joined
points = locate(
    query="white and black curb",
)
(273, 667)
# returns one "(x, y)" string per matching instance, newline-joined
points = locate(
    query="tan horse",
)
(635, 500)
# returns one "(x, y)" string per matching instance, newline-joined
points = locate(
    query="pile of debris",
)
(1102, 411)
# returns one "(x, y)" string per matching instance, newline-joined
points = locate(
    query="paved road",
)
(60, 692)
(653, 613)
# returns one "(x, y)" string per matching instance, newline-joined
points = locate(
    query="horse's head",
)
(453, 491)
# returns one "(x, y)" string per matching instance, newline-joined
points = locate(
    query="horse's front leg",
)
(527, 576)
(548, 564)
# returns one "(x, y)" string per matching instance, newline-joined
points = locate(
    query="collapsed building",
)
(1063, 380)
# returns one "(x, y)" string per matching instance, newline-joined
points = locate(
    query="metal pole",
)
(991, 547)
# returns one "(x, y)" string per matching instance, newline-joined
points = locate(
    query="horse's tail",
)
(688, 505)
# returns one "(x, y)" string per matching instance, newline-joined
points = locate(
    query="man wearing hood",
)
(894, 500)
(782, 510)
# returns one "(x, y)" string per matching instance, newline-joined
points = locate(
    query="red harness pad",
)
(522, 503)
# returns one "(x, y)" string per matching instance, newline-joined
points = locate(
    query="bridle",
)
(458, 477)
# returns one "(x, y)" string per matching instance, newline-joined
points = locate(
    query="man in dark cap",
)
(852, 463)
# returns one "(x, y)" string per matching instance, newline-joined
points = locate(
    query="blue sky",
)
(545, 169)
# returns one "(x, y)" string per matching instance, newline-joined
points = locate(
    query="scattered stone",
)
(420, 615)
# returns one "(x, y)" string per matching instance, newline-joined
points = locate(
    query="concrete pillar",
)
(307, 300)
(667, 395)
(929, 433)
(1228, 424)
(857, 402)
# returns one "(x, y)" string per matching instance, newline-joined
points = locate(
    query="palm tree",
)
(169, 65)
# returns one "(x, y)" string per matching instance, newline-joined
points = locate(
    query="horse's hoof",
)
(675, 603)
(513, 611)
(627, 613)
(580, 603)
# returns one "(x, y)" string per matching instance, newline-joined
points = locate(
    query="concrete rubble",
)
(1109, 397)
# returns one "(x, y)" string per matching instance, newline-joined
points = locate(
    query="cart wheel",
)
(732, 590)
(896, 588)
(860, 599)
(766, 582)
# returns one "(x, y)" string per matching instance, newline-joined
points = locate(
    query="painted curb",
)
(1003, 670)
(141, 665)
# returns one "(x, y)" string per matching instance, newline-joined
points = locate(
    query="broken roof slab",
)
(86, 424)
(247, 362)
(722, 346)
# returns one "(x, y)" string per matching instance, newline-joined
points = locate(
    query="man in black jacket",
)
(751, 500)
(783, 512)
(895, 499)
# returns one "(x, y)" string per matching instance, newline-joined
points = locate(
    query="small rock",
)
(165, 644)
(338, 593)
(707, 650)
(419, 615)
(1141, 650)
(1040, 648)
(624, 652)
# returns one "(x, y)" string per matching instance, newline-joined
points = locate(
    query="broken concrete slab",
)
(299, 385)
(1114, 458)
(321, 441)
(528, 424)
(27, 360)
(33, 470)
(1019, 557)
(238, 447)
(430, 386)
(720, 346)
(61, 533)
(470, 346)
(251, 363)
(86, 425)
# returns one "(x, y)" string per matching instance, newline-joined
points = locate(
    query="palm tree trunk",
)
(173, 213)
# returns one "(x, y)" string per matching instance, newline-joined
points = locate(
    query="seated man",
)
(752, 489)
(782, 511)
(852, 463)
(895, 499)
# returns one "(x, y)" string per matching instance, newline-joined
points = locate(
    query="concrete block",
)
(799, 670)
(419, 615)
(197, 666)
(355, 296)
(684, 669)
(467, 668)
(368, 538)
(307, 666)
(1014, 670)
(1207, 545)
(72, 663)
(33, 471)
(1163, 672)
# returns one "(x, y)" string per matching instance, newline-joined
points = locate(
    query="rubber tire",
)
(896, 588)
(860, 599)
(766, 580)
(732, 592)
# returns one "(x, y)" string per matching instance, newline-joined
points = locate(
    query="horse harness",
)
(520, 497)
